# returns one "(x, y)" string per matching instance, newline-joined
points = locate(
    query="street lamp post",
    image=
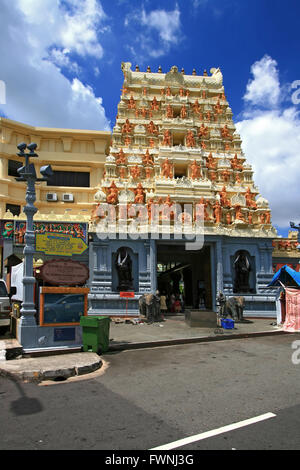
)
(27, 173)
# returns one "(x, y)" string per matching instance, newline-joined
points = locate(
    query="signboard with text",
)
(59, 244)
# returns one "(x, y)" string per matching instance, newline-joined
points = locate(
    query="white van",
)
(5, 305)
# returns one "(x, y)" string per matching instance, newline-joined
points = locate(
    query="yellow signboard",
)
(59, 244)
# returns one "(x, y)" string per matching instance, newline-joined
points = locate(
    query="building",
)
(167, 201)
(174, 142)
(77, 158)
(286, 252)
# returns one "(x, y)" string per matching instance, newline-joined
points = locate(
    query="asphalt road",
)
(151, 397)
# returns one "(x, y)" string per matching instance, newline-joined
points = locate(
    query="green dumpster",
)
(95, 333)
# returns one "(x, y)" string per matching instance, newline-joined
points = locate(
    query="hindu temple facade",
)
(174, 144)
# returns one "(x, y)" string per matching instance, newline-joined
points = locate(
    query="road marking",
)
(214, 432)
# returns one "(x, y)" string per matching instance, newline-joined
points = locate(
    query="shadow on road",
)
(25, 405)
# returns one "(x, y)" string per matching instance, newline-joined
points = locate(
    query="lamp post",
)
(27, 173)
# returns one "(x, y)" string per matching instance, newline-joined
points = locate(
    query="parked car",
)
(66, 309)
(5, 305)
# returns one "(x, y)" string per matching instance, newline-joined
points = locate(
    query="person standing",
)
(163, 305)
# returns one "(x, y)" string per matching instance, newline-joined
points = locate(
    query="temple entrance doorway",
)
(185, 274)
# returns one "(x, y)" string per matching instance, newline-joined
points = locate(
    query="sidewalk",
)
(123, 335)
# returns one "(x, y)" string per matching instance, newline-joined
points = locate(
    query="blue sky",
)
(61, 64)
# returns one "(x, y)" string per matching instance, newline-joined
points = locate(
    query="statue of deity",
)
(195, 170)
(122, 172)
(131, 103)
(139, 194)
(217, 212)
(123, 264)
(225, 133)
(135, 172)
(152, 128)
(196, 108)
(154, 104)
(112, 196)
(225, 175)
(121, 158)
(147, 160)
(236, 163)
(238, 213)
(218, 108)
(148, 172)
(203, 131)
(127, 127)
(167, 169)
(249, 199)
(183, 112)
(242, 270)
(210, 162)
(167, 138)
(190, 141)
(169, 111)
(225, 202)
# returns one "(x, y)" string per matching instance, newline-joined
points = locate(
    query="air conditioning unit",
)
(51, 197)
(67, 197)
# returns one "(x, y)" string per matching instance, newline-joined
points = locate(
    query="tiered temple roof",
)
(175, 141)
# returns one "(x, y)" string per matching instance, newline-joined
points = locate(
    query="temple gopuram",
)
(174, 144)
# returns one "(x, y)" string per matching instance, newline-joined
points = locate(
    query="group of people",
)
(173, 303)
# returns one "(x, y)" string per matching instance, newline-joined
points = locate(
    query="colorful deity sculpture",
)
(135, 172)
(236, 163)
(249, 199)
(169, 111)
(112, 196)
(203, 131)
(183, 112)
(225, 202)
(190, 140)
(139, 194)
(121, 160)
(131, 103)
(147, 160)
(211, 162)
(152, 128)
(167, 138)
(217, 212)
(167, 169)
(154, 104)
(127, 127)
(195, 170)
(225, 133)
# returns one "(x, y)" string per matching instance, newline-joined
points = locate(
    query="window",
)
(13, 208)
(13, 166)
(70, 178)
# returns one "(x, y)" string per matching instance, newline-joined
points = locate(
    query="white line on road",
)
(214, 432)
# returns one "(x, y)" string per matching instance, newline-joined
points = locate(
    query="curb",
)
(201, 339)
(59, 374)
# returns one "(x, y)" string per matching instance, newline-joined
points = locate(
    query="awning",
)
(287, 276)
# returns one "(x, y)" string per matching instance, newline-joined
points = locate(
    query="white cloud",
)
(35, 47)
(271, 141)
(155, 32)
(166, 23)
(264, 88)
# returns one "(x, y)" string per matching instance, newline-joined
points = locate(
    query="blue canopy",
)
(287, 276)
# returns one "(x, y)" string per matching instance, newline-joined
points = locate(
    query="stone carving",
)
(242, 270)
(174, 76)
(124, 268)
